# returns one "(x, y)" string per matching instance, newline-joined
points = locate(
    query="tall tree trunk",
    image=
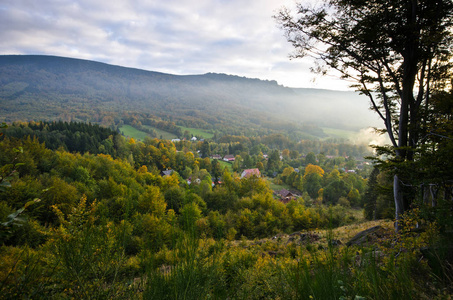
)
(398, 197)
(410, 69)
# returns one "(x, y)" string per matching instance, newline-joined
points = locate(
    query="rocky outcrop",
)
(366, 236)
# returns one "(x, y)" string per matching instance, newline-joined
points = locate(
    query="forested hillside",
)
(53, 88)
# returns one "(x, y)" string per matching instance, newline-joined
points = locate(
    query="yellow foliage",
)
(143, 169)
(287, 171)
(105, 156)
(310, 169)
(169, 181)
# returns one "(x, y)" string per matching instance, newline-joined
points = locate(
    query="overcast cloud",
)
(237, 37)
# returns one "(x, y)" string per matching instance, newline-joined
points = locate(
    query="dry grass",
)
(317, 237)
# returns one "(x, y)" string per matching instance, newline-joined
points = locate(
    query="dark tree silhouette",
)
(395, 51)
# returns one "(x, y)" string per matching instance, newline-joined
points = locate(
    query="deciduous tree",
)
(395, 51)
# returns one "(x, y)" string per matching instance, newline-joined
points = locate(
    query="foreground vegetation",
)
(106, 224)
(312, 266)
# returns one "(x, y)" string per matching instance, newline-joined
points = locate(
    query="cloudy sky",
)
(237, 37)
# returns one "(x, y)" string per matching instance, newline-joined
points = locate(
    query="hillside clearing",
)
(162, 134)
(199, 133)
(131, 132)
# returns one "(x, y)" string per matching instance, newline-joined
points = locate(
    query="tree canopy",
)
(397, 52)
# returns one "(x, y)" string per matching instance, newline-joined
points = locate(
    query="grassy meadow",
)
(129, 131)
(224, 164)
(277, 187)
(162, 133)
(339, 133)
(199, 133)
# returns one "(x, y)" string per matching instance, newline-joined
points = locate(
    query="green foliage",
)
(14, 220)
(131, 132)
(90, 254)
(72, 136)
(196, 276)
(24, 272)
(199, 133)
(136, 233)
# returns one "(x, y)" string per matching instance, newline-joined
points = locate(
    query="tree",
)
(285, 153)
(205, 149)
(174, 197)
(274, 162)
(371, 196)
(310, 158)
(310, 169)
(334, 190)
(260, 166)
(237, 164)
(294, 154)
(216, 170)
(190, 213)
(312, 184)
(397, 53)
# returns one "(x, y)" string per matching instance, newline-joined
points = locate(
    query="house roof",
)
(167, 172)
(250, 172)
(285, 193)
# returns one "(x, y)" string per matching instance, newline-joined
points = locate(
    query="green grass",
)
(199, 133)
(277, 187)
(162, 133)
(132, 132)
(224, 164)
(129, 131)
(339, 133)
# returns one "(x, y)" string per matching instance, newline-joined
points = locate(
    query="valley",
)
(130, 184)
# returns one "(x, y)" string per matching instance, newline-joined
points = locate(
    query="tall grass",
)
(352, 273)
(196, 275)
(86, 260)
(329, 271)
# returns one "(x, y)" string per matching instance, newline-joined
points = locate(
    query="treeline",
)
(150, 203)
(318, 178)
(331, 147)
(71, 136)
(88, 225)
(189, 161)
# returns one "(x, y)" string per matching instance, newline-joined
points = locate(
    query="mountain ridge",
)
(65, 86)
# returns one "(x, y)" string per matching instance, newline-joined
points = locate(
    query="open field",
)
(139, 135)
(224, 164)
(162, 133)
(339, 133)
(277, 187)
(132, 132)
(199, 133)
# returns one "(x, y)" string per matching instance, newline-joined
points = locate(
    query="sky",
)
(237, 37)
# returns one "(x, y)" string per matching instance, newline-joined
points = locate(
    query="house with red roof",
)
(249, 172)
(229, 157)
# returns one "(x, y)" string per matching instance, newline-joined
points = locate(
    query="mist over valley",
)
(34, 87)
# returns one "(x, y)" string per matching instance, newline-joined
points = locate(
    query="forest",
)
(101, 220)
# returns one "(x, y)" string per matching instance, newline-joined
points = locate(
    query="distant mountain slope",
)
(47, 87)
